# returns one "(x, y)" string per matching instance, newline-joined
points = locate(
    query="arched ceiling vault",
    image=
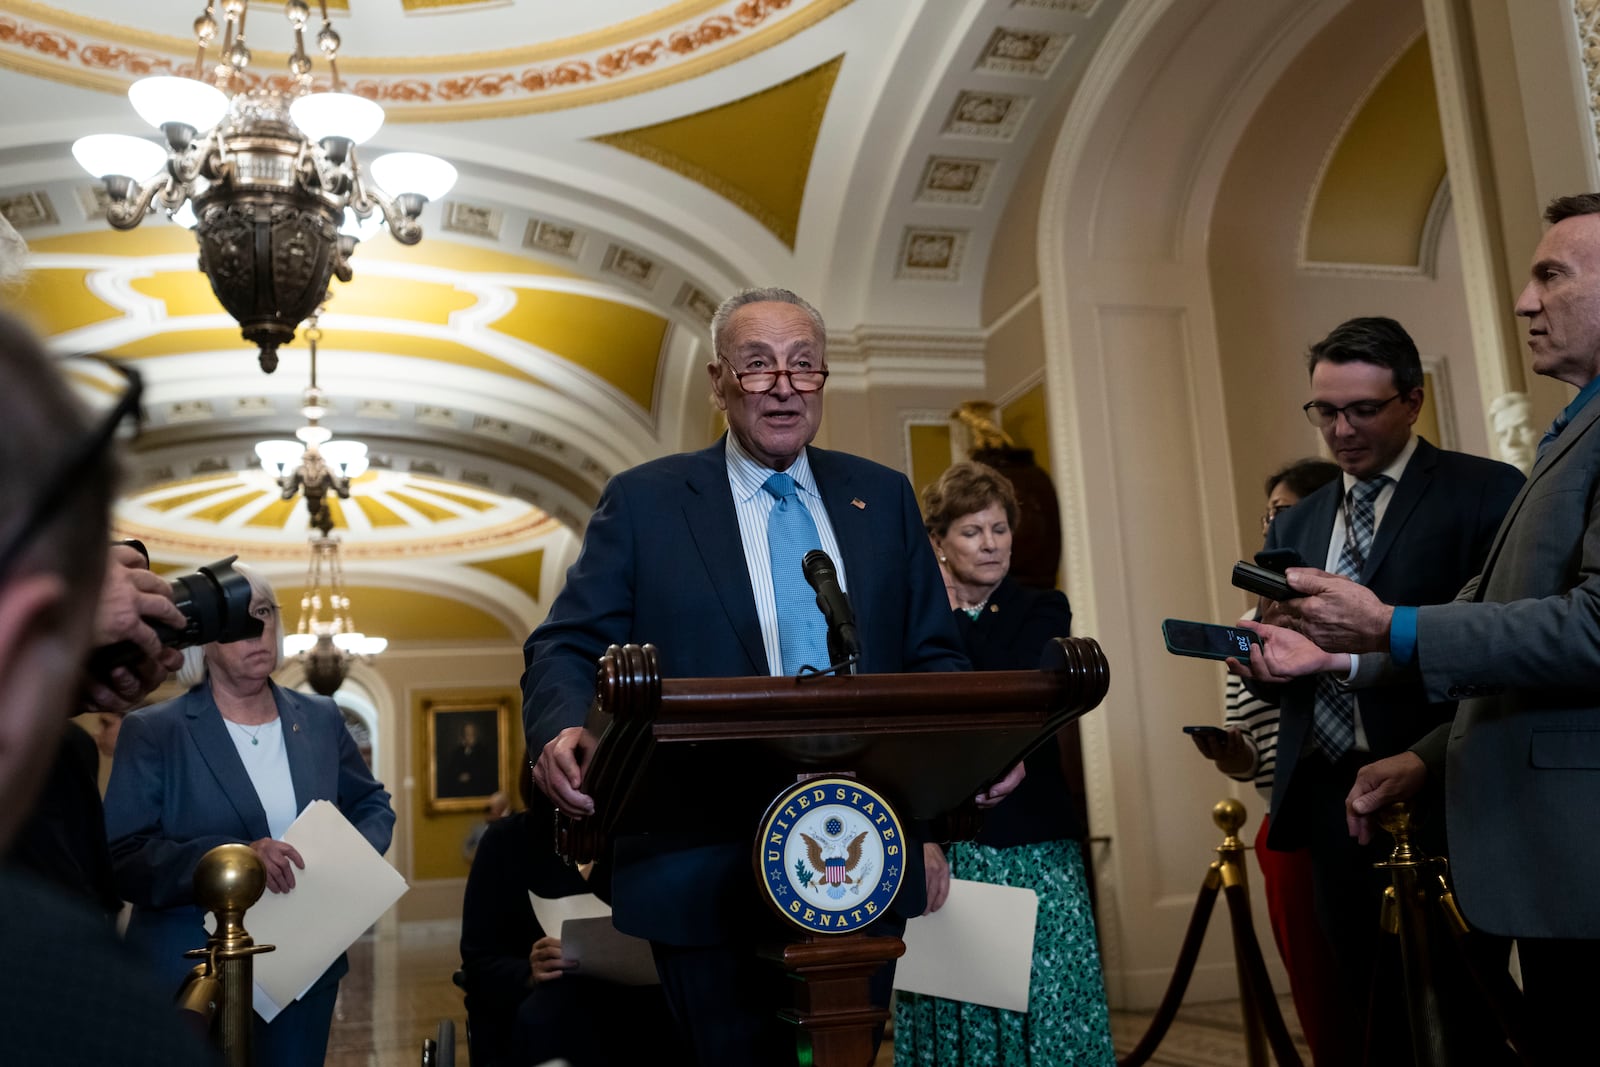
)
(625, 165)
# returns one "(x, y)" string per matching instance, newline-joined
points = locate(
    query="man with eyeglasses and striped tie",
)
(699, 554)
(1412, 522)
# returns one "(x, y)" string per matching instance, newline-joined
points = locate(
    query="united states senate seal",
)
(831, 855)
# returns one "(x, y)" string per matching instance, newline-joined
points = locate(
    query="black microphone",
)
(844, 642)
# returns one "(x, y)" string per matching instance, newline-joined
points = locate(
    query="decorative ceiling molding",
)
(884, 357)
(39, 40)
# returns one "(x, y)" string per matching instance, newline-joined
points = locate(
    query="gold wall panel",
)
(755, 152)
(1372, 204)
(55, 300)
(620, 344)
(523, 571)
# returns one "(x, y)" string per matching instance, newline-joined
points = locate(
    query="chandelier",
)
(265, 171)
(326, 640)
(315, 464)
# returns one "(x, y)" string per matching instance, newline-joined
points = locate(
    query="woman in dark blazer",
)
(233, 760)
(1031, 840)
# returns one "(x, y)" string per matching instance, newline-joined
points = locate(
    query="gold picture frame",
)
(468, 752)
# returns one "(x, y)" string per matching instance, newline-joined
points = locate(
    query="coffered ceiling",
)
(625, 164)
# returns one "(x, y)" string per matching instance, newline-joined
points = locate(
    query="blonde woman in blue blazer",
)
(233, 760)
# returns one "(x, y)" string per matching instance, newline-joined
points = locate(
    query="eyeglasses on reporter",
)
(764, 381)
(1358, 413)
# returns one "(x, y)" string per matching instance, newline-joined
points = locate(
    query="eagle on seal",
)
(851, 858)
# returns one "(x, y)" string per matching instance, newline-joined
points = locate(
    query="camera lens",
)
(215, 601)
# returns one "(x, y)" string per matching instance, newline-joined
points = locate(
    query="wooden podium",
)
(925, 743)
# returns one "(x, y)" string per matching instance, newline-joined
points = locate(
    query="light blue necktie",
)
(791, 533)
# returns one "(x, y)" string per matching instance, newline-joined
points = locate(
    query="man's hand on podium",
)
(1003, 788)
(559, 770)
(937, 871)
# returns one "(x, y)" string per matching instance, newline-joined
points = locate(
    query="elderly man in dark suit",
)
(1520, 648)
(683, 552)
(1411, 522)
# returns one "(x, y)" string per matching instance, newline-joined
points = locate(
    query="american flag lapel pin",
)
(857, 502)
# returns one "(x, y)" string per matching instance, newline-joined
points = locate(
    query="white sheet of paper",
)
(603, 952)
(553, 913)
(977, 948)
(343, 890)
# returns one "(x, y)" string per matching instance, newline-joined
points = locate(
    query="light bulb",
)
(323, 115)
(163, 99)
(103, 154)
(414, 172)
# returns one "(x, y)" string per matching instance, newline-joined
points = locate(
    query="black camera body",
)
(215, 601)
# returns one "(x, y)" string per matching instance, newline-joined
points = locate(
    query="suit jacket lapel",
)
(714, 525)
(297, 746)
(1412, 485)
(852, 525)
(1582, 424)
(211, 737)
(1313, 546)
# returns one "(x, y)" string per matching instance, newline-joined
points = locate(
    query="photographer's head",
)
(54, 501)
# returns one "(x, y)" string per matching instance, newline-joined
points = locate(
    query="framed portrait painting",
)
(467, 753)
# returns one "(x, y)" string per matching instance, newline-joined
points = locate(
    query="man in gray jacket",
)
(1520, 649)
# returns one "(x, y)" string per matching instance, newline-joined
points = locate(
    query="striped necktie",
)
(1333, 716)
(791, 533)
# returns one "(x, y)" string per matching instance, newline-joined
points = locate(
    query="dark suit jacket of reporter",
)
(1521, 651)
(662, 562)
(178, 789)
(1433, 538)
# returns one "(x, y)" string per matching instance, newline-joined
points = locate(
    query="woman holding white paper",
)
(1031, 839)
(233, 760)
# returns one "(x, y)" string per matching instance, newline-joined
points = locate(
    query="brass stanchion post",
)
(227, 881)
(1263, 1022)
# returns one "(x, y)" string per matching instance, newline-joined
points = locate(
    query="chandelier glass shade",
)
(326, 639)
(314, 464)
(265, 171)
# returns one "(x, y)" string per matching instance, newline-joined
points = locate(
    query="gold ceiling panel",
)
(378, 514)
(187, 292)
(439, 490)
(276, 515)
(426, 508)
(775, 133)
(404, 615)
(522, 571)
(55, 300)
(1373, 201)
(223, 508)
(182, 342)
(619, 343)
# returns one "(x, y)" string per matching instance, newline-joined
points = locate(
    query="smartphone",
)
(1263, 582)
(1206, 640)
(1205, 731)
(1279, 559)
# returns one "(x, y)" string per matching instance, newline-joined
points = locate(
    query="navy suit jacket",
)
(662, 562)
(178, 789)
(1433, 539)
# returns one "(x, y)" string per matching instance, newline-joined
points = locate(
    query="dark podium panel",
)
(726, 747)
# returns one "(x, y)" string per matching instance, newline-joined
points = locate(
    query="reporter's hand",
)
(1283, 655)
(129, 596)
(546, 962)
(1004, 787)
(559, 770)
(1230, 752)
(936, 870)
(1338, 614)
(280, 859)
(1388, 781)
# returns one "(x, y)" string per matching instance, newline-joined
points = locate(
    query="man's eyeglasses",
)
(1357, 414)
(764, 381)
(69, 475)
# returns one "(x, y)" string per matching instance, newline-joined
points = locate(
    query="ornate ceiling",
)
(624, 166)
